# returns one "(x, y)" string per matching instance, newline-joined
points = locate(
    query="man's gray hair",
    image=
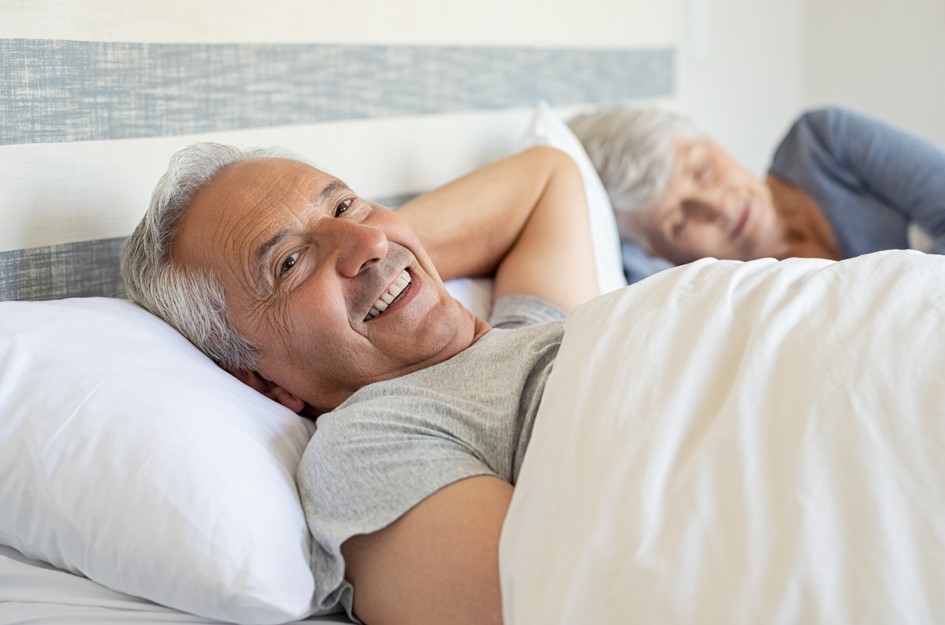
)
(188, 298)
(632, 150)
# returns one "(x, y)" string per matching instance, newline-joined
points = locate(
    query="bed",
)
(763, 470)
(721, 443)
(142, 483)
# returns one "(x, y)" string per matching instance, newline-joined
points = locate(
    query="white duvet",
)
(755, 443)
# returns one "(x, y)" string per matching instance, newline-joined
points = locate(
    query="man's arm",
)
(523, 219)
(438, 563)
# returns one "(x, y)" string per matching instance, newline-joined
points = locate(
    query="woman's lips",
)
(742, 220)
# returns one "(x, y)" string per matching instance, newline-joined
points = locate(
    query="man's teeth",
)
(392, 293)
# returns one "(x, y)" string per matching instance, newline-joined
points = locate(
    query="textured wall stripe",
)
(85, 269)
(57, 91)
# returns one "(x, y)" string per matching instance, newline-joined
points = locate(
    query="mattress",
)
(39, 594)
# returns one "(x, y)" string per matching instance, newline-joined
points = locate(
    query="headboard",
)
(94, 99)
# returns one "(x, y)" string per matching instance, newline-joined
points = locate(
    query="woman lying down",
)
(840, 184)
(727, 442)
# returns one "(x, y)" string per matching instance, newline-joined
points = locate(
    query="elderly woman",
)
(840, 184)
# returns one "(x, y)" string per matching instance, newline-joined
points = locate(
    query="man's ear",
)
(270, 389)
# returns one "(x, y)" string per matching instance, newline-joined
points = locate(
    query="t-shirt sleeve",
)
(516, 311)
(366, 467)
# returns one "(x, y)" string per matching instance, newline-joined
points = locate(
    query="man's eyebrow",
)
(329, 189)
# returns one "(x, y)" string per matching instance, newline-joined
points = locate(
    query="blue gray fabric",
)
(393, 444)
(638, 264)
(870, 179)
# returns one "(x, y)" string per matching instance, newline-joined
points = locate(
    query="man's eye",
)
(342, 207)
(288, 263)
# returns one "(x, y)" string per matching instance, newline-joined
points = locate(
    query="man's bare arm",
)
(438, 563)
(523, 219)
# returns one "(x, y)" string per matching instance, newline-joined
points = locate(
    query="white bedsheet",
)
(39, 594)
(736, 443)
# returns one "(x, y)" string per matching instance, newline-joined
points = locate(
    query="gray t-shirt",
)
(394, 443)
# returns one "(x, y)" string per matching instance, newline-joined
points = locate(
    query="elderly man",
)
(336, 307)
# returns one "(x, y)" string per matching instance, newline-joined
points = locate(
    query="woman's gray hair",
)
(188, 298)
(632, 150)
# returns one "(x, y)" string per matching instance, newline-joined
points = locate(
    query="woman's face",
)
(711, 206)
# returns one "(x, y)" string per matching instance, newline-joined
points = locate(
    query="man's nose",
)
(357, 246)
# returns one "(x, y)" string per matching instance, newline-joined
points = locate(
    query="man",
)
(335, 306)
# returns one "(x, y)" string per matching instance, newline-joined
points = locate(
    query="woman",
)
(840, 184)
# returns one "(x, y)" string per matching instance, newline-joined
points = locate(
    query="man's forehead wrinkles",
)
(277, 191)
(275, 199)
(307, 185)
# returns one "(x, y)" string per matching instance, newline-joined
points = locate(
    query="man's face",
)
(711, 206)
(306, 266)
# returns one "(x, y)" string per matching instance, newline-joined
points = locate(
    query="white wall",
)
(748, 67)
(584, 23)
(741, 72)
(884, 58)
(54, 193)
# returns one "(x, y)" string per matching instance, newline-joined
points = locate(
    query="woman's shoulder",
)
(828, 122)
(822, 131)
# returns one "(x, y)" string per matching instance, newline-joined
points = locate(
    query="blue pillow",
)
(638, 264)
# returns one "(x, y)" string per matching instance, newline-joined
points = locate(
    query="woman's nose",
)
(708, 211)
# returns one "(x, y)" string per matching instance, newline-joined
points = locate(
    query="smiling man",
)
(306, 266)
(336, 307)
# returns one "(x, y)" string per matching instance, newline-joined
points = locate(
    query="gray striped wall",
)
(85, 269)
(55, 91)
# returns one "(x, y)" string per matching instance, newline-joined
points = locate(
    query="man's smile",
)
(393, 293)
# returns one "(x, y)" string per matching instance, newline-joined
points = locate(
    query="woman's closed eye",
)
(702, 172)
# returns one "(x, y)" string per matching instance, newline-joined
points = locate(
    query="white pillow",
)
(474, 293)
(129, 457)
(549, 129)
(546, 128)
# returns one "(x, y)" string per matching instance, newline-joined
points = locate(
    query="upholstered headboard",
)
(94, 99)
